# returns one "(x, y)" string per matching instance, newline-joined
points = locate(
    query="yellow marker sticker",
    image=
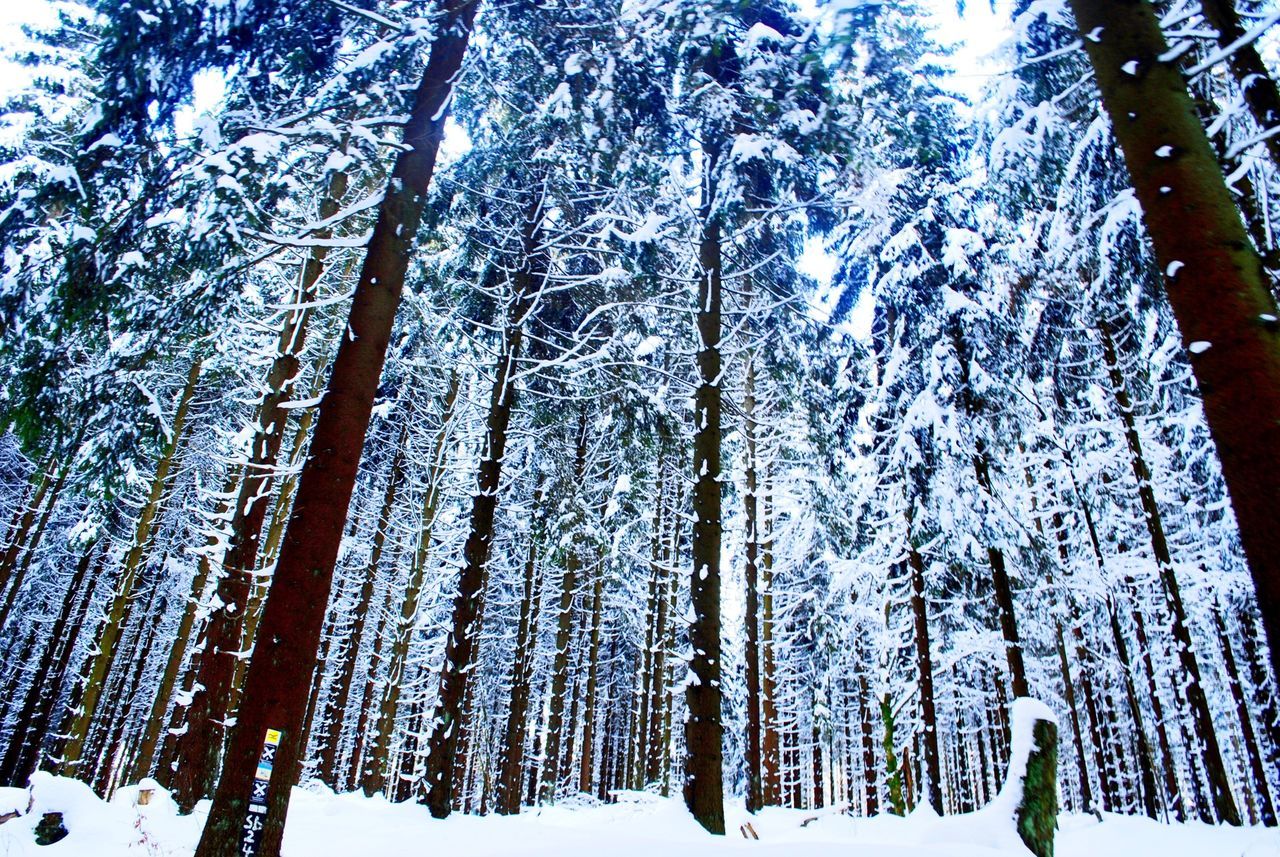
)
(273, 736)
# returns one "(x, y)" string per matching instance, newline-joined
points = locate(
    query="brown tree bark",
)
(1003, 592)
(511, 758)
(119, 608)
(924, 667)
(1257, 770)
(200, 747)
(177, 651)
(752, 753)
(871, 804)
(1211, 755)
(375, 770)
(769, 758)
(552, 762)
(704, 785)
(279, 676)
(340, 696)
(1213, 276)
(587, 756)
(442, 747)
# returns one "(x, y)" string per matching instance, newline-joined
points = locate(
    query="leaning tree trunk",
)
(29, 539)
(1003, 591)
(118, 610)
(1211, 756)
(279, 676)
(1214, 279)
(704, 732)
(443, 745)
(224, 637)
(145, 754)
(376, 767)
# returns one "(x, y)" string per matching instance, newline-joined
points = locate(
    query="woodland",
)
(491, 405)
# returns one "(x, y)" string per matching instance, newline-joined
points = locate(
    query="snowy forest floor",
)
(638, 825)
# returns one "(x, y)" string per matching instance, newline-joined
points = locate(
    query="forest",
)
(520, 406)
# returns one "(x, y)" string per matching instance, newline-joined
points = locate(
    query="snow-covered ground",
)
(639, 825)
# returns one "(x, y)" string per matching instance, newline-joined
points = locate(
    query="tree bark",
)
(924, 666)
(443, 745)
(119, 609)
(769, 761)
(375, 771)
(1213, 276)
(755, 787)
(341, 693)
(279, 676)
(1257, 770)
(1211, 755)
(177, 651)
(704, 785)
(511, 760)
(552, 763)
(1250, 72)
(1003, 592)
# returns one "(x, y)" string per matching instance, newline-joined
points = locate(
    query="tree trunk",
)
(375, 771)
(768, 680)
(21, 755)
(564, 628)
(20, 529)
(1004, 592)
(177, 652)
(1214, 278)
(511, 759)
(755, 788)
(1215, 769)
(119, 609)
(1257, 769)
(871, 804)
(1250, 72)
(443, 745)
(588, 753)
(657, 756)
(225, 637)
(279, 676)
(924, 666)
(704, 786)
(31, 538)
(341, 693)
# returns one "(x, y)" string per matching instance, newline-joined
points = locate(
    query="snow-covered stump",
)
(1030, 791)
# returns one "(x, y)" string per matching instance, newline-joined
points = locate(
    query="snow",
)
(1199, 346)
(322, 824)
